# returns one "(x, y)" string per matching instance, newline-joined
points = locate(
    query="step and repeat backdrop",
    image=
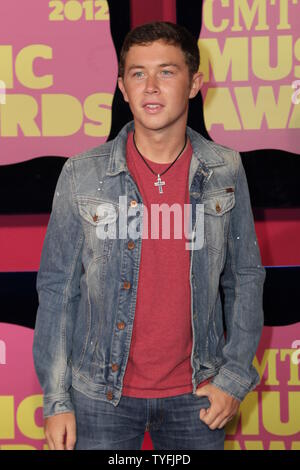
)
(59, 96)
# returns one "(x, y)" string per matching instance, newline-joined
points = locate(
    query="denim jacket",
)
(87, 285)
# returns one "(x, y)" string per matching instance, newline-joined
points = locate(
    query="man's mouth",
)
(152, 107)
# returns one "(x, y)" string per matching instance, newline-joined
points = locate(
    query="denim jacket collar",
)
(202, 152)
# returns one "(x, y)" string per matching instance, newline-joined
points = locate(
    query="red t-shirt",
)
(159, 362)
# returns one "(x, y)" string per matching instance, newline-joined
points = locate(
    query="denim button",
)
(126, 285)
(131, 245)
(109, 395)
(115, 367)
(121, 325)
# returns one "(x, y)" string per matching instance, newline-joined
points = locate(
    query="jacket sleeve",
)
(58, 287)
(242, 282)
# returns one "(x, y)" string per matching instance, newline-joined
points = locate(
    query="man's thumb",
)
(203, 391)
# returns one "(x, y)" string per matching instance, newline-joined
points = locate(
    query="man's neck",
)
(159, 146)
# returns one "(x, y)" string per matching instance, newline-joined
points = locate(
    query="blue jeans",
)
(173, 423)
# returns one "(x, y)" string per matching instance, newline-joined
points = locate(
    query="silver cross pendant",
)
(159, 183)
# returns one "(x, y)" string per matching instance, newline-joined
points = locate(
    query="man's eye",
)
(138, 74)
(167, 72)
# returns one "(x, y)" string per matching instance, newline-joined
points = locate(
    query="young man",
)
(129, 334)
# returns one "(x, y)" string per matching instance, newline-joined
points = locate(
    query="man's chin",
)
(154, 124)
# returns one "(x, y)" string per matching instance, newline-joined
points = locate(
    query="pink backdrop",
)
(251, 58)
(73, 62)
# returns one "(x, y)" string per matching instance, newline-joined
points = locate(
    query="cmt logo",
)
(2, 353)
(2, 92)
(296, 86)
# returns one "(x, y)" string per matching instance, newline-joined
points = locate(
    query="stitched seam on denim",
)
(211, 146)
(229, 392)
(67, 286)
(234, 377)
(90, 153)
(50, 397)
(88, 382)
(64, 313)
(136, 268)
(231, 252)
(82, 157)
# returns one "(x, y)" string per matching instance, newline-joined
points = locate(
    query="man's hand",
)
(223, 406)
(60, 431)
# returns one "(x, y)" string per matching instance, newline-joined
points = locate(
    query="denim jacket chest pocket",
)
(217, 208)
(99, 221)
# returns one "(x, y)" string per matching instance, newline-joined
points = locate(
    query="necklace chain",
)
(160, 174)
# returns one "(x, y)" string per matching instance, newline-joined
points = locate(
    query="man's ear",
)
(122, 89)
(196, 85)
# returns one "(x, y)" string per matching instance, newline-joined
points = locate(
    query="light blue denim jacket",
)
(87, 286)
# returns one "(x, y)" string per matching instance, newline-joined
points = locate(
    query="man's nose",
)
(151, 85)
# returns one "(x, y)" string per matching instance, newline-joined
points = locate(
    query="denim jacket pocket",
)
(99, 219)
(217, 206)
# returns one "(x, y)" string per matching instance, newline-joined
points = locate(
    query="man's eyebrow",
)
(170, 65)
(136, 66)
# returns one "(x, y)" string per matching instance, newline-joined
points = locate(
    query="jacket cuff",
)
(56, 404)
(232, 385)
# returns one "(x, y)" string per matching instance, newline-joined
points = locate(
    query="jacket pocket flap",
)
(98, 212)
(219, 203)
